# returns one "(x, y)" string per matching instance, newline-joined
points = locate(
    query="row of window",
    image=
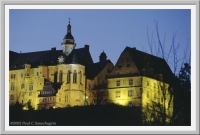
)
(154, 85)
(46, 92)
(22, 86)
(49, 99)
(155, 97)
(30, 94)
(68, 76)
(13, 76)
(130, 82)
(130, 93)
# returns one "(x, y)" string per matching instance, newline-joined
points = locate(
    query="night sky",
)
(108, 30)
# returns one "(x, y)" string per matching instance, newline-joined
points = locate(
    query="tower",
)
(102, 57)
(68, 41)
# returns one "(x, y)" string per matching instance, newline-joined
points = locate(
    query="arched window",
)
(60, 77)
(68, 76)
(80, 77)
(31, 85)
(55, 77)
(74, 76)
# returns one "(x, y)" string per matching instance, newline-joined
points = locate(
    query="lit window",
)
(118, 82)
(68, 76)
(80, 77)
(12, 86)
(117, 94)
(22, 86)
(130, 93)
(31, 86)
(147, 83)
(60, 77)
(130, 81)
(147, 94)
(155, 96)
(74, 76)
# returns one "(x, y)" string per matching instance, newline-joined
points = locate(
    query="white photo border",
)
(38, 4)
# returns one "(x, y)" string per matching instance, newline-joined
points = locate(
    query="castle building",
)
(141, 80)
(52, 78)
(68, 77)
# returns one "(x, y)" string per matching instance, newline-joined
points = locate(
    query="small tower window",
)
(75, 77)
(68, 76)
(60, 77)
(80, 77)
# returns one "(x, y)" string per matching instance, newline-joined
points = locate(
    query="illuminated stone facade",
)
(68, 77)
(52, 78)
(141, 80)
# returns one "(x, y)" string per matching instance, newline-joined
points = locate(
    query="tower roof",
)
(103, 54)
(69, 35)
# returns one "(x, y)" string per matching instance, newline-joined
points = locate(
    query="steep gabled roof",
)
(149, 65)
(48, 58)
(94, 69)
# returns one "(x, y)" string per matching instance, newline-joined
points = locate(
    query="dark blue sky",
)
(103, 29)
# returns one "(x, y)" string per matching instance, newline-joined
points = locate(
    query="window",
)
(130, 81)
(154, 96)
(130, 93)
(80, 77)
(68, 76)
(12, 86)
(154, 85)
(147, 83)
(118, 82)
(22, 86)
(147, 94)
(30, 93)
(60, 77)
(22, 94)
(60, 99)
(31, 86)
(117, 94)
(74, 77)
(119, 66)
(65, 98)
(37, 73)
(12, 97)
(13, 76)
(22, 74)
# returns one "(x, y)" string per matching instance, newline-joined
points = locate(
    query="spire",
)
(69, 27)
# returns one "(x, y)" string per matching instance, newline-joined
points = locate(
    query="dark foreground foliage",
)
(105, 115)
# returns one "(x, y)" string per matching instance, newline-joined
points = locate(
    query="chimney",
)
(53, 49)
(87, 47)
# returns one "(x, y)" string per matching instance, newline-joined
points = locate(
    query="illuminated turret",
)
(68, 41)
